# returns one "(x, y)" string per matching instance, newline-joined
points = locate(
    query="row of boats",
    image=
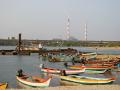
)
(72, 73)
(67, 58)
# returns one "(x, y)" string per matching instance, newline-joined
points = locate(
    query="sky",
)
(47, 19)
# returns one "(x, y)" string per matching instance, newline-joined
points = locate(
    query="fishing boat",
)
(95, 67)
(92, 69)
(89, 77)
(3, 86)
(100, 71)
(87, 81)
(33, 81)
(58, 71)
(55, 59)
(88, 56)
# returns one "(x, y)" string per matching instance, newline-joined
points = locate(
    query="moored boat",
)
(100, 71)
(34, 81)
(90, 67)
(87, 81)
(3, 86)
(58, 71)
(89, 56)
(89, 77)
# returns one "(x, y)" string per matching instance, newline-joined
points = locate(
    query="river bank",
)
(108, 57)
(81, 87)
(105, 48)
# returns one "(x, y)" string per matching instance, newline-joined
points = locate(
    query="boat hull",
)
(96, 71)
(86, 81)
(3, 86)
(58, 71)
(34, 84)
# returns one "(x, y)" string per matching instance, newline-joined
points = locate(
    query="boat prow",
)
(3, 86)
(34, 81)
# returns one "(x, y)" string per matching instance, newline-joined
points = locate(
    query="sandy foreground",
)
(82, 87)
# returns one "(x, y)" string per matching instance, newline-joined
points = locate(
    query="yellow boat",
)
(87, 81)
(3, 86)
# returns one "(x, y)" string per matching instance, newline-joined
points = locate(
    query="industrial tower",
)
(68, 29)
(85, 33)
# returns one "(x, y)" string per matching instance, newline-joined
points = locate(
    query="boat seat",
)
(37, 79)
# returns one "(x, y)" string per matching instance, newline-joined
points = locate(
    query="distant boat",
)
(34, 82)
(96, 71)
(3, 86)
(87, 81)
(88, 56)
(33, 47)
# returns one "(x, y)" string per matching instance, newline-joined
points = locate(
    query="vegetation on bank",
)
(60, 43)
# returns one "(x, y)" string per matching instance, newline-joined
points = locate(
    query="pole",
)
(19, 43)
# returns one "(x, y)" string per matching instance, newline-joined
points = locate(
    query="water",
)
(7, 47)
(10, 64)
(83, 49)
(86, 49)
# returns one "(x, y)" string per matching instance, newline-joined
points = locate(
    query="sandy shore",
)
(108, 57)
(81, 87)
(105, 48)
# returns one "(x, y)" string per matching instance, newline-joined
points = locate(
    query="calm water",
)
(10, 64)
(78, 48)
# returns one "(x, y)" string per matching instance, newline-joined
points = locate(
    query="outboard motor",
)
(63, 73)
(41, 66)
(20, 72)
(65, 64)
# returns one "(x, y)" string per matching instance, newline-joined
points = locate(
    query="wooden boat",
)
(88, 77)
(98, 62)
(34, 81)
(100, 71)
(55, 59)
(89, 55)
(58, 71)
(88, 81)
(3, 86)
(90, 67)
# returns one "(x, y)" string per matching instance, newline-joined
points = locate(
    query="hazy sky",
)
(47, 19)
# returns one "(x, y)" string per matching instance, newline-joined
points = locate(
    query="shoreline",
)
(105, 56)
(104, 48)
(80, 87)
